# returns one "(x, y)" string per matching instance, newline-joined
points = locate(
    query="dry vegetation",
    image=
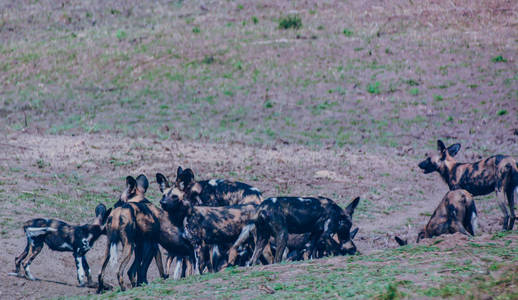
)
(338, 98)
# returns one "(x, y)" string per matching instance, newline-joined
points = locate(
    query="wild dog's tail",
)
(244, 235)
(471, 218)
(35, 231)
(113, 254)
(400, 241)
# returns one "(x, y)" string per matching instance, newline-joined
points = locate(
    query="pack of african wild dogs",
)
(209, 225)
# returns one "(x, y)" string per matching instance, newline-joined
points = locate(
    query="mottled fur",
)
(60, 236)
(497, 173)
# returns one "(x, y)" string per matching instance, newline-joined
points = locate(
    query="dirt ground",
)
(344, 106)
(332, 173)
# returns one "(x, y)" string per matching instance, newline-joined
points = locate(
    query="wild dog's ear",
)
(179, 172)
(162, 181)
(440, 146)
(400, 241)
(130, 183)
(106, 215)
(349, 210)
(453, 149)
(100, 210)
(142, 183)
(420, 236)
(354, 232)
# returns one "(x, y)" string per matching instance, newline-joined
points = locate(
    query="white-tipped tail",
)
(113, 254)
(35, 231)
(474, 223)
(245, 233)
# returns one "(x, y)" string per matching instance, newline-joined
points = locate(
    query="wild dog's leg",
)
(150, 250)
(510, 200)
(503, 207)
(19, 258)
(171, 261)
(80, 269)
(198, 258)
(159, 264)
(280, 240)
(134, 268)
(178, 268)
(34, 251)
(88, 272)
(100, 277)
(260, 244)
(127, 251)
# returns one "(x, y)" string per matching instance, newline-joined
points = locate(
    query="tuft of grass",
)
(438, 98)
(255, 20)
(374, 88)
(414, 91)
(196, 30)
(348, 32)
(498, 59)
(291, 21)
(502, 112)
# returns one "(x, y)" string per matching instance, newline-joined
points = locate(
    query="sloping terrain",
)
(345, 105)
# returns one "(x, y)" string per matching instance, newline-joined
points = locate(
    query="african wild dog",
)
(297, 247)
(455, 213)
(204, 226)
(497, 173)
(133, 224)
(321, 217)
(60, 236)
(215, 192)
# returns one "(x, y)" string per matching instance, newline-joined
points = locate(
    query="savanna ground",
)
(346, 105)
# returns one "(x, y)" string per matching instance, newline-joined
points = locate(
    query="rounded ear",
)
(454, 149)
(350, 208)
(162, 181)
(400, 241)
(179, 172)
(440, 146)
(188, 176)
(130, 183)
(100, 210)
(142, 183)
(354, 232)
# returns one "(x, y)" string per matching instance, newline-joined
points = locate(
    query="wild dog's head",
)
(435, 161)
(86, 235)
(172, 196)
(345, 235)
(184, 178)
(134, 188)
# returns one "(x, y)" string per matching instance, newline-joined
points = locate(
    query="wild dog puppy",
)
(497, 173)
(297, 247)
(204, 226)
(214, 192)
(60, 236)
(455, 213)
(320, 216)
(133, 224)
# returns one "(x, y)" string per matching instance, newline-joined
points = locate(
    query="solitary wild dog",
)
(133, 224)
(455, 213)
(497, 173)
(60, 236)
(204, 226)
(321, 217)
(214, 192)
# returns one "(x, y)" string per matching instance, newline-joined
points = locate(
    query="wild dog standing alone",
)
(60, 236)
(497, 173)
(215, 192)
(322, 217)
(455, 213)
